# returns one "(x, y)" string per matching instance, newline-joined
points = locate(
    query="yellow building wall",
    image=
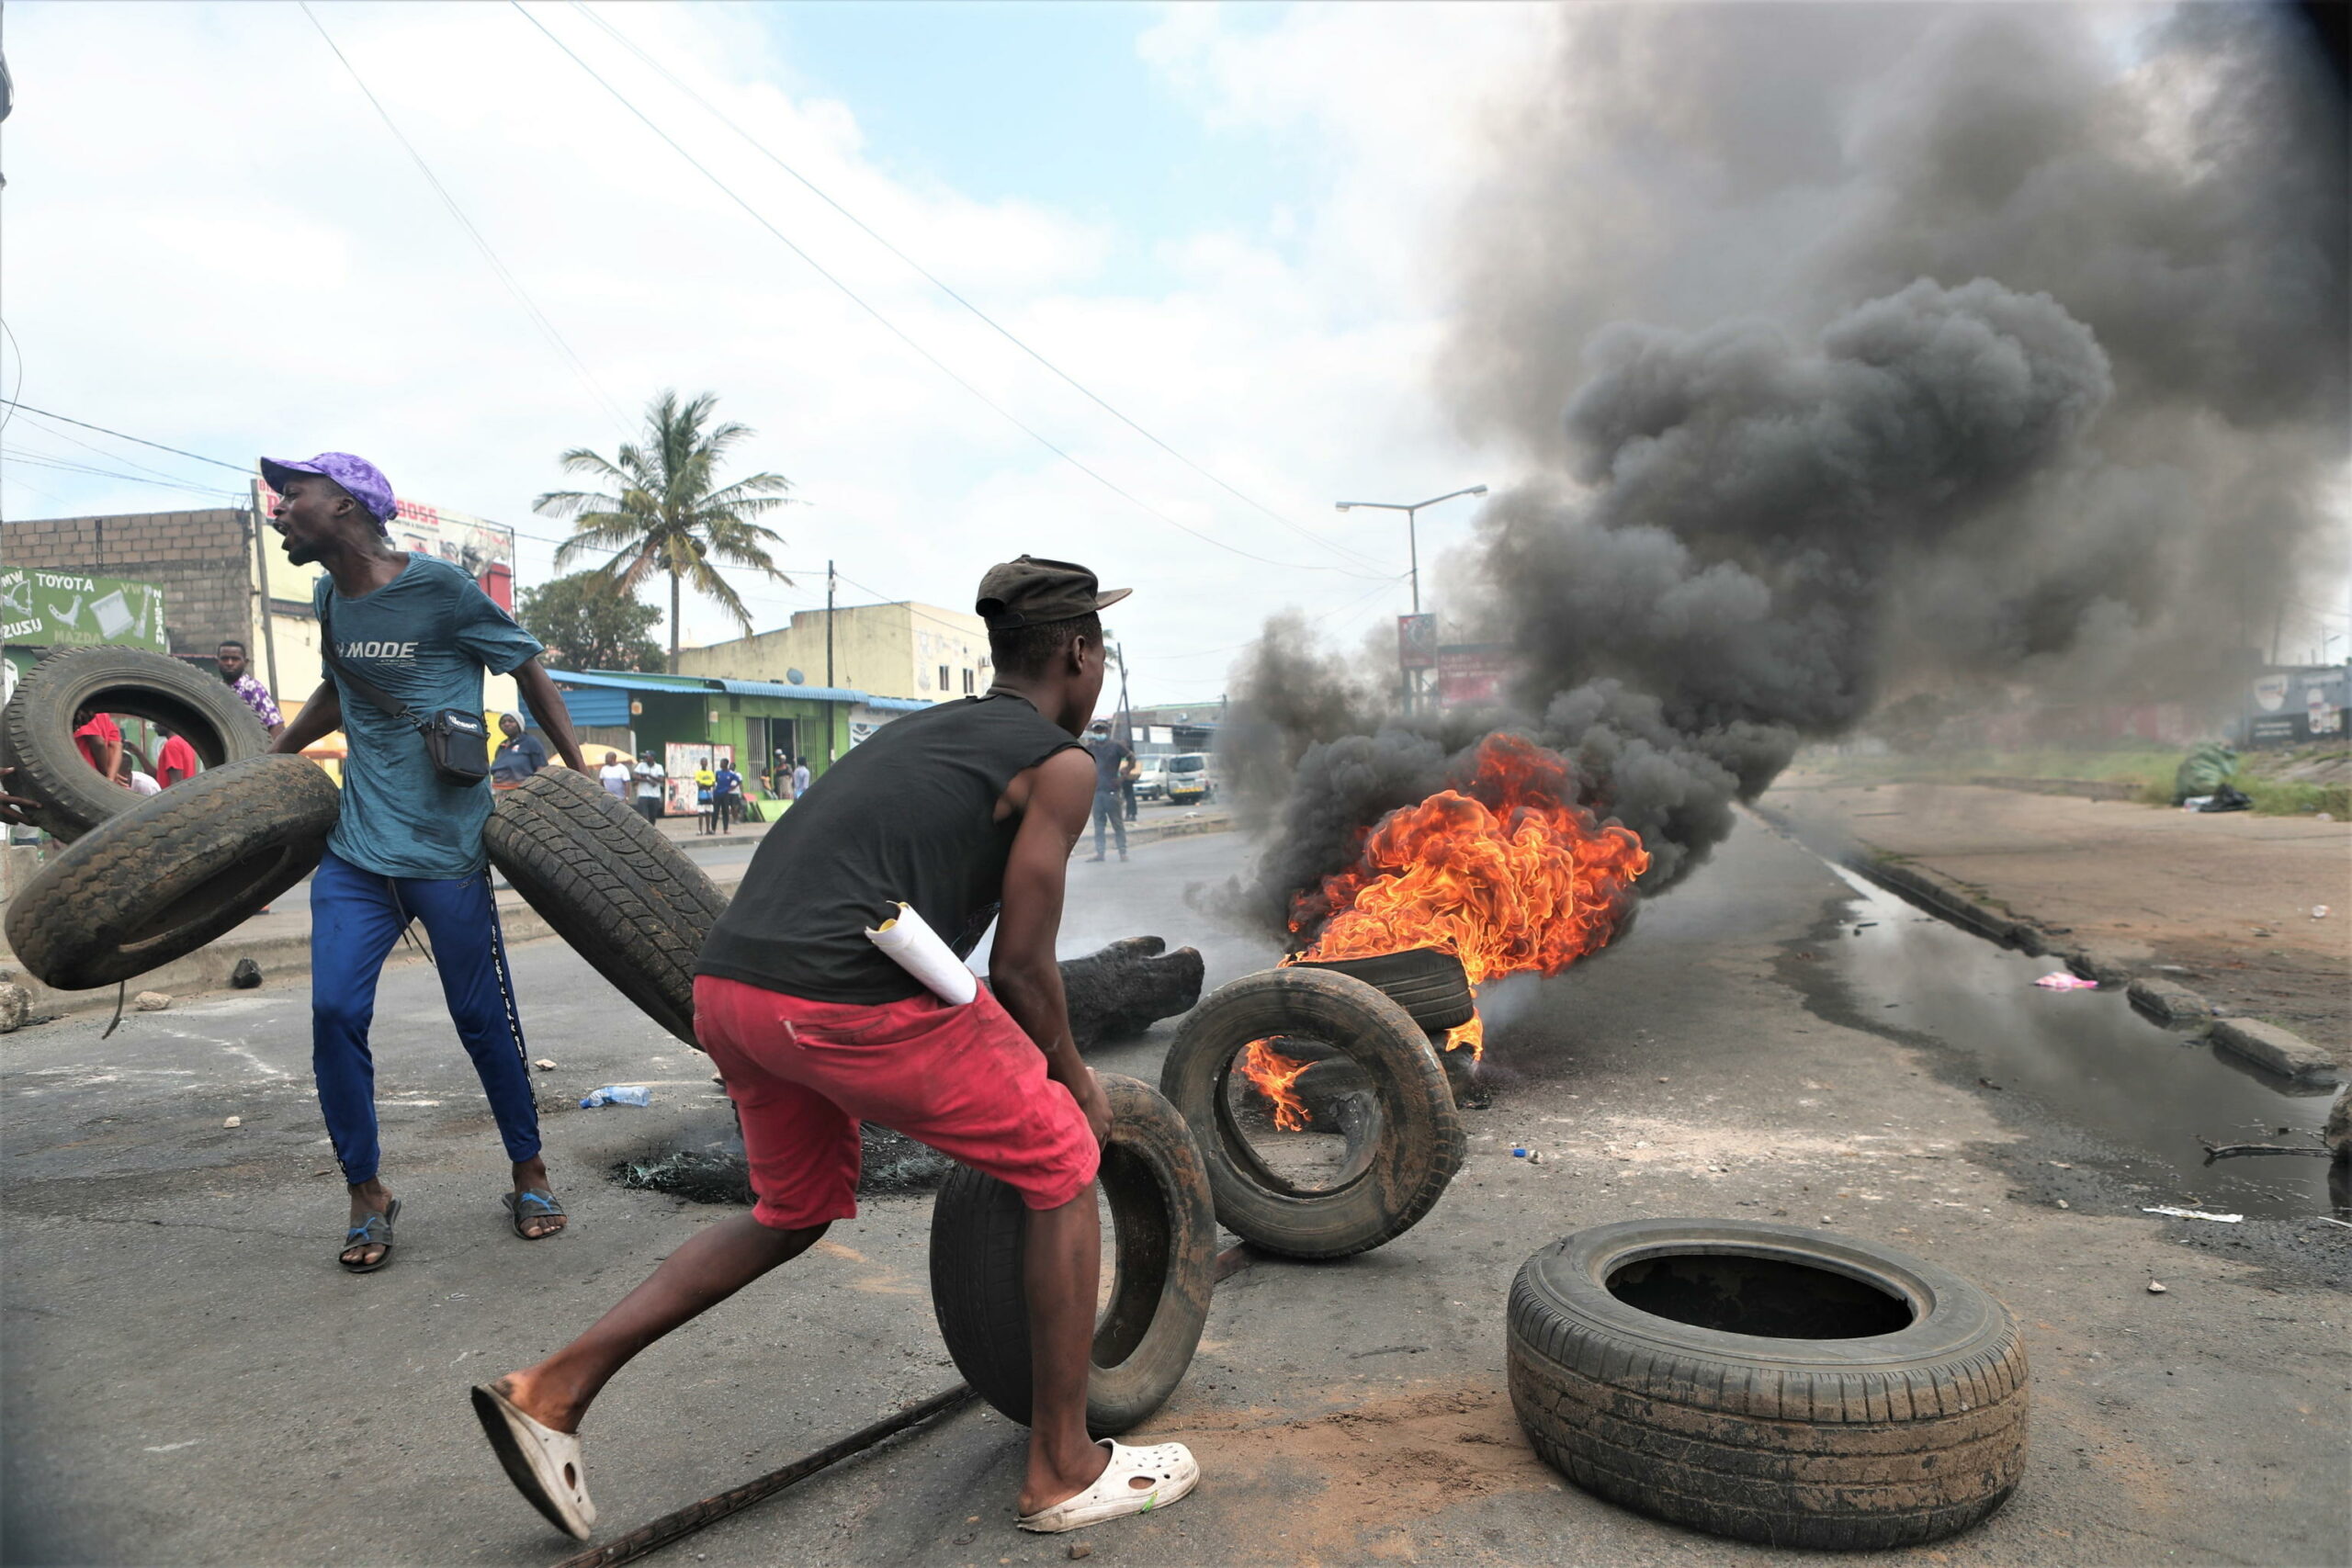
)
(886, 650)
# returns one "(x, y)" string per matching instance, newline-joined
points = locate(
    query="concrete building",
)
(907, 650)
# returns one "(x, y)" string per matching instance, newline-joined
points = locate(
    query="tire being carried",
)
(175, 870)
(1767, 1383)
(37, 727)
(624, 898)
(1164, 1229)
(1400, 1160)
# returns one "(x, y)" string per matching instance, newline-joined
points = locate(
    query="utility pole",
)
(829, 623)
(1412, 678)
(1127, 720)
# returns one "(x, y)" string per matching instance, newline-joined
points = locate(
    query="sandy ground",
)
(2227, 899)
(188, 1378)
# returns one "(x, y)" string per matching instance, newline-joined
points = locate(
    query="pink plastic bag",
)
(2059, 980)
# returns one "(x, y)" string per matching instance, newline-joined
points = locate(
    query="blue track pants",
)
(355, 917)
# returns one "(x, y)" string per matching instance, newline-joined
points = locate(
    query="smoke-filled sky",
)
(1853, 350)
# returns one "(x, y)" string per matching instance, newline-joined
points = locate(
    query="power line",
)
(941, 284)
(66, 466)
(245, 468)
(92, 447)
(892, 327)
(514, 285)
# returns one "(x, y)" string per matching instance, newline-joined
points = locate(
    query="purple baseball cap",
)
(366, 482)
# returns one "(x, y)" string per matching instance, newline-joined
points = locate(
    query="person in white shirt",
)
(649, 775)
(615, 776)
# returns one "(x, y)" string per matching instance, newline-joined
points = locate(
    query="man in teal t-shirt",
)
(408, 844)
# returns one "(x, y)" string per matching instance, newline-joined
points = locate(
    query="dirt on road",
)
(2224, 903)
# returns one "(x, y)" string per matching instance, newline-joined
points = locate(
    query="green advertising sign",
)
(41, 608)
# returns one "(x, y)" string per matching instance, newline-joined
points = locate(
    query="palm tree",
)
(663, 511)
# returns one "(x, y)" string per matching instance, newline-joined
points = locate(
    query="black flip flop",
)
(376, 1230)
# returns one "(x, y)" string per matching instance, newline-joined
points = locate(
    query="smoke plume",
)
(1852, 349)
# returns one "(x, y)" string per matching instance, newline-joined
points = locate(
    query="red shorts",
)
(966, 1080)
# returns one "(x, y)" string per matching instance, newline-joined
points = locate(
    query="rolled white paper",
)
(907, 940)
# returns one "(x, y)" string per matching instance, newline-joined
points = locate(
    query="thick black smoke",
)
(1860, 349)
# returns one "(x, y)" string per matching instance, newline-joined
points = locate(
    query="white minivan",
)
(1190, 779)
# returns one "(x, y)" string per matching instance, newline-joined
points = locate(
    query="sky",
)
(1227, 222)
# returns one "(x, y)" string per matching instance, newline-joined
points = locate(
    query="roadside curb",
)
(2269, 1046)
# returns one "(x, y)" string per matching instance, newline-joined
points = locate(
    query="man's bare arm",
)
(319, 717)
(1022, 970)
(549, 707)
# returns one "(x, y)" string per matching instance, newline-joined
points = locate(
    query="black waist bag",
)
(456, 740)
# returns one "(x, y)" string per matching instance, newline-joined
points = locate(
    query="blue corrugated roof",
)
(779, 689)
(687, 685)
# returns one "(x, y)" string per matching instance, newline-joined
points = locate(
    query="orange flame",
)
(1507, 872)
(1272, 1074)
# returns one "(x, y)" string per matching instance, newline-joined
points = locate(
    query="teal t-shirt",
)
(425, 637)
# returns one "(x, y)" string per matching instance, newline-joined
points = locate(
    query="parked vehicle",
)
(1190, 778)
(1151, 784)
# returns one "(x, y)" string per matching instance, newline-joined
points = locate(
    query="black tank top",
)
(908, 816)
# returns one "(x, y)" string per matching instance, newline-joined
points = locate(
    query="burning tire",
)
(174, 871)
(1400, 1153)
(624, 898)
(1769, 1383)
(1164, 1228)
(1427, 982)
(37, 727)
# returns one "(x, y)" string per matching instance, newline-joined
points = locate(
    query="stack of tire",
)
(144, 880)
(1375, 1019)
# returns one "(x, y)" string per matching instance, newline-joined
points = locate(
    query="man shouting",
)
(967, 811)
(406, 638)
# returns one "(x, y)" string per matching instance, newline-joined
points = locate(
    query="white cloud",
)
(212, 241)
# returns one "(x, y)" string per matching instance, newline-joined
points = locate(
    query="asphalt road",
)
(189, 1379)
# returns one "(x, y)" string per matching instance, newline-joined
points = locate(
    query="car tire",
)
(37, 727)
(612, 884)
(1404, 1161)
(175, 870)
(1164, 1230)
(1888, 1409)
(1427, 982)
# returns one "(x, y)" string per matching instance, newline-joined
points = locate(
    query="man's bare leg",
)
(1059, 1274)
(713, 1266)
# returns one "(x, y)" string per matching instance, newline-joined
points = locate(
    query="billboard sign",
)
(2291, 706)
(1473, 675)
(1417, 642)
(60, 609)
(485, 549)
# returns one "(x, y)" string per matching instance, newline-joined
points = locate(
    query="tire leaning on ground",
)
(1866, 1400)
(625, 897)
(175, 870)
(1164, 1230)
(37, 727)
(1411, 1150)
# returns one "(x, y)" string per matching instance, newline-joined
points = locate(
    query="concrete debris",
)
(2154, 1289)
(234, 1122)
(544, 1063)
(16, 1006)
(151, 1001)
(2282, 1051)
(2168, 1002)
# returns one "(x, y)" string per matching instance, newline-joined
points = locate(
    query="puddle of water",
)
(2086, 1056)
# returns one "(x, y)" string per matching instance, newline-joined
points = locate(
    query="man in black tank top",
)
(968, 812)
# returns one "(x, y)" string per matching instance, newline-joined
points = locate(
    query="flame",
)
(1470, 1037)
(1505, 872)
(1273, 1073)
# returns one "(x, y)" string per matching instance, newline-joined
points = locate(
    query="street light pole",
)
(1412, 555)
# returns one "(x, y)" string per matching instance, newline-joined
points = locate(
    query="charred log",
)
(1127, 987)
